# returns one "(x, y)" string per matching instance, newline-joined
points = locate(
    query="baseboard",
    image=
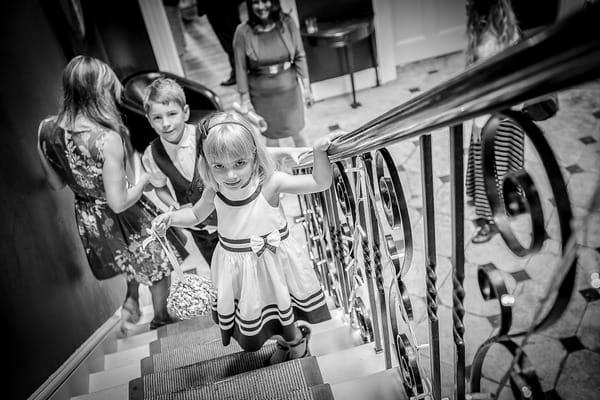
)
(341, 85)
(72, 377)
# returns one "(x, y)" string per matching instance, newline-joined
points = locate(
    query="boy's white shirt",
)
(182, 154)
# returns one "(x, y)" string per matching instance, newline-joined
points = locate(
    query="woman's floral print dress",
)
(112, 242)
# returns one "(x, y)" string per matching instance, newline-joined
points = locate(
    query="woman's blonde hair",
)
(496, 16)
(91, 89)
(229, 136)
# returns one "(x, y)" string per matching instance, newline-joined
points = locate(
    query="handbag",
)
(191, 295)
(542, 108)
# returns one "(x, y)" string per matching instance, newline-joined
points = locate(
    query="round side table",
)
(344, 34)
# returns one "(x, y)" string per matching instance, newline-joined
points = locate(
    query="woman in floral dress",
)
(86, 147)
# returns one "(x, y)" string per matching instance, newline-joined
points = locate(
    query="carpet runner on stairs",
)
(188, 355)
(186, 326)
(276, 381)
(174, 341)
(202, 373)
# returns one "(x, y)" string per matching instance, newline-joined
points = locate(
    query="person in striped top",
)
(491, 28)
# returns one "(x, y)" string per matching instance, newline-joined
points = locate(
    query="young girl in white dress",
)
(262, 287)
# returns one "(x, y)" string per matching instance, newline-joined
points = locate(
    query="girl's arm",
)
(188, 216)
(118, 195)
(319, 180)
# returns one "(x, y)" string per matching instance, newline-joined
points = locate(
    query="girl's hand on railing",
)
(161, 223)
(323, 143)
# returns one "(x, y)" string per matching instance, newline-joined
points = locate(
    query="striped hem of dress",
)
(251, 334)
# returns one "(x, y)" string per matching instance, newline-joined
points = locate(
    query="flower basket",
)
(190, 297)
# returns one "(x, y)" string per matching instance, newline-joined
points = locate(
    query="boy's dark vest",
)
(185, 191)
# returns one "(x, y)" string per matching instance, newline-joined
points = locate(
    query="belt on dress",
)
(272, 69)
(256, 243)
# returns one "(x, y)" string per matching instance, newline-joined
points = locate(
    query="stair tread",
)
(125, 357)
(281, 378)
(203, 373)
(187, 338)
(384, 385)
(136, 340)
(321, 343)
(113, 377)
(119, 392)
(352, 363)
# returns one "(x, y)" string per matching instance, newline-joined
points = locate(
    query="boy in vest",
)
(170, 159)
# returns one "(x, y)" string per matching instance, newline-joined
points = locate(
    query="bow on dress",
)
(260, 243)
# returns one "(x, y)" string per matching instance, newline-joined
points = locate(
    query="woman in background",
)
(86, 147)
(270, 62)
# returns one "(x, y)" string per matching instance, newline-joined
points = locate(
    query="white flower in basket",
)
(191, 295)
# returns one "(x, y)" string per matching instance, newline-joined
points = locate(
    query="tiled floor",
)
(566, 356)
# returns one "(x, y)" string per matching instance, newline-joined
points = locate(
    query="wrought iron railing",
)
(359, 232)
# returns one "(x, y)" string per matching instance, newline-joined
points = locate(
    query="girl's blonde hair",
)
(229, 136)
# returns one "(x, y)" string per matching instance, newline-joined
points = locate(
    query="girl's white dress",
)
(262, 287)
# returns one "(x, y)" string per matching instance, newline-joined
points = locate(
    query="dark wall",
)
(325, 63)
(121, 26)
(533, 14)
(51, 303)
(111, 30)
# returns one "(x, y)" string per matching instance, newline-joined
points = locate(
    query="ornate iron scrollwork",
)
(512, 202)
(395, 209)
(520, 196)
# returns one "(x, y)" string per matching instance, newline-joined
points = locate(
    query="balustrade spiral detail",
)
(518, 196)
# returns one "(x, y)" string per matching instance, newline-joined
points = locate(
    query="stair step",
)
(193, 337)
(187, 355)
(276, 381)
(125, 357)
(190, 325)
(201, 373)
(170, 343)
(321, 343)
(138, 340)
(317, 392)
(384, 385)
(119, 392)
(114, 377)
(352, 363)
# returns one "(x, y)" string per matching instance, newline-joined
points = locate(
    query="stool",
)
(344, 34)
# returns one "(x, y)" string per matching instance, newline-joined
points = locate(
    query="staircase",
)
(186, 360)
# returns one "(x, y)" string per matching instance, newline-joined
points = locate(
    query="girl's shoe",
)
(485, 233)
(300, 348)
(281, 354)
(291, 351)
